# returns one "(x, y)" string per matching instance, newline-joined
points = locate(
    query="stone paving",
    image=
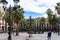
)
(24, 36)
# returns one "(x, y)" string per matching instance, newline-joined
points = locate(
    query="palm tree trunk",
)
(17, 31)
(6, 27)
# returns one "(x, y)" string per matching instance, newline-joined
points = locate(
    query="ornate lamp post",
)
(30, 23)
(9, 29)
(15, 2)
(5, 6)
(30, 28)
(4, 2)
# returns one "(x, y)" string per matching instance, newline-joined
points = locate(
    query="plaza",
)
(20, 18)
(24, 36)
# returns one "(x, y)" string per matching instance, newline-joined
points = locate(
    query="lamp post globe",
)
(4, 2)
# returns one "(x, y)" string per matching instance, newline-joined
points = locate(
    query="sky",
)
(36, 8)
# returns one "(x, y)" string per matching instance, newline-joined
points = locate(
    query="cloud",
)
(30, 5)
(39, 6)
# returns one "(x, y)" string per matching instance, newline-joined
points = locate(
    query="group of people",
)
(30, 34)
(49, 34)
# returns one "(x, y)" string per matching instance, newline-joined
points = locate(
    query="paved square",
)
(24, 36)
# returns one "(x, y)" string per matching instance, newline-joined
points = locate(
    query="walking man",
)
(49, 35)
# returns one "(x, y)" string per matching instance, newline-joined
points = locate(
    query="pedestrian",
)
(12, 30)
(30, 33)
(59, 33)
(49, 35)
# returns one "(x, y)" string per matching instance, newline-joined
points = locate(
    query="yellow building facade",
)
(3, 25)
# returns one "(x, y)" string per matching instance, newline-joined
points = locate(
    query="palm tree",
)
(18, 16)
(49, 13)
(58, 7)
(55, 19)
(58, 19)
(52, 18)
(42, 21)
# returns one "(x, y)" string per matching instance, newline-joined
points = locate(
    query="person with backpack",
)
(49, 35)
